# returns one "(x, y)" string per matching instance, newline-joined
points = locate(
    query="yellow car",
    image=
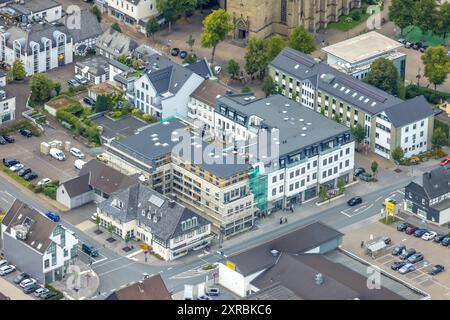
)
(101, 157)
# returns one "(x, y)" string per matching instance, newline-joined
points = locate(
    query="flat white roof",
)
(362, 47)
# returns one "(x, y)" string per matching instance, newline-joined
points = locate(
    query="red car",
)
(445, 162)
(411, 229)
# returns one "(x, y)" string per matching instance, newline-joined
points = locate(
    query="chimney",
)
(319, 279)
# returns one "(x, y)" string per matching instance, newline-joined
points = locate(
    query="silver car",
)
(7, 270)
(407, 268)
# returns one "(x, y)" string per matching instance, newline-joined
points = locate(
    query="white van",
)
(79, 164)
(57, 154)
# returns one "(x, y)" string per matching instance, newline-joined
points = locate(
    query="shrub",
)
(24, 124)
(431, 95)
(59, 294)
(117, 114)
(149, 118)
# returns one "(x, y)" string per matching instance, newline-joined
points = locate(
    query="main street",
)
(116, 271)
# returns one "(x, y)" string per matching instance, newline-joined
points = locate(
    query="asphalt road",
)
(117, 271)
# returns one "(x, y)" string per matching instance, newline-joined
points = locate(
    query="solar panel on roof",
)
(157, 201)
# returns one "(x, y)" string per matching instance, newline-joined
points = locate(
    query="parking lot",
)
(27, 151)
(437, 286)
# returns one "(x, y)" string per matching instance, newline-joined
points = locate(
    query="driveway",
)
(21, 91)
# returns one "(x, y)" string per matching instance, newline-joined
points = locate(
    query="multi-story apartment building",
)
(265, 18)
(132, 11)
(30, 11)
(40, 47)
(388, 121)
(170, 229)
(7, 102)
(112, 44)
(354, 56)
(37, 245)
(306, 149)
(196, 173)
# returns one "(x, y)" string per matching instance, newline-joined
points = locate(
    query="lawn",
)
(414, 34)
(346, 23)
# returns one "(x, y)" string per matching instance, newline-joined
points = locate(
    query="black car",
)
(416, 46)
(183, 54)
(446, 241)
(420, 232)
(48, 295)
(402, 226)
(358, 171)
(21, 277)
(2, 140)
(398, 250)
(407, 253)
(397, 265)
(436, 269)
(354, 201)
(31, 288)
(89, 101)
(10, 162)
(9, 139)
(26, 133)
(439, 238)
(30, 176)
(423, 48)
(22, 172)
(174, 52)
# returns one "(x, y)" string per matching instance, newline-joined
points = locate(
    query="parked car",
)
(76, 153)
(40, 291)
(16, 167)
(101, 157)
(174, 52)
(366, 177)
(27, 282)
(386, 240)
(397, 265)
(423, 48)
(78, 164)
(354, 201)
(183, 54)
(26, 133)
(2, 140)
(402, 40)
(9, 139)
(429, 235)
(80, 79)
(358, 171)
(402, 226)
(30, 176)
(389, 200)
(217, 69)
(407, 253)
(44, 181)
(415, 258)
(23, 172)
(89, 249)
(7, 269)
(445, 162)
(21, 277)
(89, 101)
(436, 269)
(398, 250)
(57, 154)
(3, 263)
(439, 238)
(446, 241)
(53, 216)
(420, 232)
(31, 288)
(407, 268)
(73, 83)
(212, 292)
(48, 295)
(204, 298)
(416, 46)
(10, 162)
(411, 229)
(408, 44)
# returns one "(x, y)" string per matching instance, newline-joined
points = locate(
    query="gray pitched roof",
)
(98, 65)
(90, 27)
(437, 181)
(116, 43)
(39, 226)
(152, 288)
(409, 111)
(201, 68)
(152, 209)
(77, 186)
(33, 6)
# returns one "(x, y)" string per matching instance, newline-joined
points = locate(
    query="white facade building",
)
(7, 106)
(132, 11)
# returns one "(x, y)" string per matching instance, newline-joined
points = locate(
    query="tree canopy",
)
(384, 75)
(301, 40)
(152, 26)
(400, 13)
(18, 70)
(437, 64)
(216, 26)
(256, 56)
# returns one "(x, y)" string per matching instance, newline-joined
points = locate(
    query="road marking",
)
(134, 253)
(113, 270)
(170, 268)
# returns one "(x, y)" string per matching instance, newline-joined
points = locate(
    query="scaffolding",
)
(258, 186)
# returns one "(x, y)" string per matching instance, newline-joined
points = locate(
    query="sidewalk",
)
(14, 293)
(414, 220)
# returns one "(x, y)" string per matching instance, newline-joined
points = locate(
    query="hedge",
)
(432, 96)
(15, 127)
(59, 294)
(48, 189)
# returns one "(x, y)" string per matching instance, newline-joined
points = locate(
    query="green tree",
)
(275, 45)
(374, 167)
(41, 88)
(190, 42)
(122, 59)
(322, 193)
(152, 27)
(101, 104)
(173, 9)
(127, 239)
(439, 138)
(384, 75)
(18, 70)
(437, 64)
(233, 68)
(358, 133)
(216, 26)
(301, 40)
(400, 13)
(110, 228)
(246, 89)
(442, 27)
(268, 86)
(397, 154)
(341, 185)
(96, 11)
(256, 56)
(425, 15)
(115, 26)
(97, 221)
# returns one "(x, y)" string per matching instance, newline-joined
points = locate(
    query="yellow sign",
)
(390, 208)
(144, 246)
(231, 265)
